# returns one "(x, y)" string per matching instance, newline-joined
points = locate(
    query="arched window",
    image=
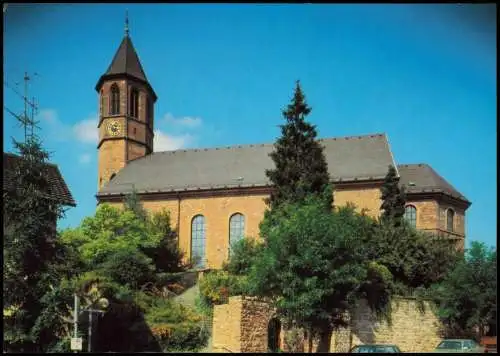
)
(411, 215)
(101, 103)
(112, 176)
(134, 103)
(114, 108)
(198, 241)
(149, 110)
(450, 215)
(236, 229)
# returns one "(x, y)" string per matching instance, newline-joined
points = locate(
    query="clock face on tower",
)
(113, 128)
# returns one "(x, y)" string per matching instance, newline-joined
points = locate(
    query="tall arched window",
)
(450, 215)
(114, 108)
(236, 229)
(198, 241)
(149, 110)
(101, 103)
(411, 215)
(134, 103)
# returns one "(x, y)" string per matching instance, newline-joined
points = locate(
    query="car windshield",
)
(452, 345)
(375, 349)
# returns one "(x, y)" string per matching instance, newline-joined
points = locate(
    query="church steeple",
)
(126, 63)
(126, 111)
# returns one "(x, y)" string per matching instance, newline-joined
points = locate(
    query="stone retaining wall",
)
(241, 326)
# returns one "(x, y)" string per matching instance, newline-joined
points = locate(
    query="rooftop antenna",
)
(126, 22)
(26, 119)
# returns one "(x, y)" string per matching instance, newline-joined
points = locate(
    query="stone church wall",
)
(218, 210)
(241, 326)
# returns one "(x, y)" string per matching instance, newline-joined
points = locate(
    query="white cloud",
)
(85, 158)
(48, 116)
(188, 122)
(86, 130)
(166, 142)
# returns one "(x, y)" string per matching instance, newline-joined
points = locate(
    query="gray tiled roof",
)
(421, 178)
(58, 189)
(349, 158)
(126, 61)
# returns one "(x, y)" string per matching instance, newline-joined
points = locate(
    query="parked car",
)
(459, 346)
(489, 343)
(375, 348)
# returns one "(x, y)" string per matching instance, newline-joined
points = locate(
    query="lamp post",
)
(102, 302)
(89, 341)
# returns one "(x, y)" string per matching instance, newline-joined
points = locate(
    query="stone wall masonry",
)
(412, 330)
(241, 326)
(226, 327)
(254, 323)
(217, 210)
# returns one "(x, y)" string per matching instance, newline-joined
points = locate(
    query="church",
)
(215, 196)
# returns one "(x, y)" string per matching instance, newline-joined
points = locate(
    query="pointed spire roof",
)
(126, 61)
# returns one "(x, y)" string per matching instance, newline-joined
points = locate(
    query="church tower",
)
(126, 112)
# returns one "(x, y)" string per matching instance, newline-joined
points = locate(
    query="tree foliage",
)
(300, 164)
(243, 256)
(416, 259)
(467, 296)
(310, 266)
(117, 254)
(166, 256)
(30, 215)
(393, 199)
(217, 286)
(133, 203)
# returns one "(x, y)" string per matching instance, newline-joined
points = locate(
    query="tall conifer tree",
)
(300, 164)
(393, 199)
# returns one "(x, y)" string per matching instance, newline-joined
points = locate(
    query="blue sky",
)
(423, 74)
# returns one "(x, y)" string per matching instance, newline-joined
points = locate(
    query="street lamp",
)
(103, 303)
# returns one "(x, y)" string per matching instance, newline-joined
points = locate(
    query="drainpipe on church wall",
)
(178, 219)
(127, 104)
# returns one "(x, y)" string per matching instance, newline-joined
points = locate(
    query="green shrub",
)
(176, 327)
(243, 254)
(128, 267)
(217, 286)
(181, 336)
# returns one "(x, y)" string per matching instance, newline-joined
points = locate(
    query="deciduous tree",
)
(467, 297)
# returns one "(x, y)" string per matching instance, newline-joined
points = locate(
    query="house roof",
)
(58, 189)
(354, 158)
(422, 178)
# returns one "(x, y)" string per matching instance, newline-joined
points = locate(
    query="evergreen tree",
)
(393, 199)
(133, 203)
(29, 243)
(300, 165)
